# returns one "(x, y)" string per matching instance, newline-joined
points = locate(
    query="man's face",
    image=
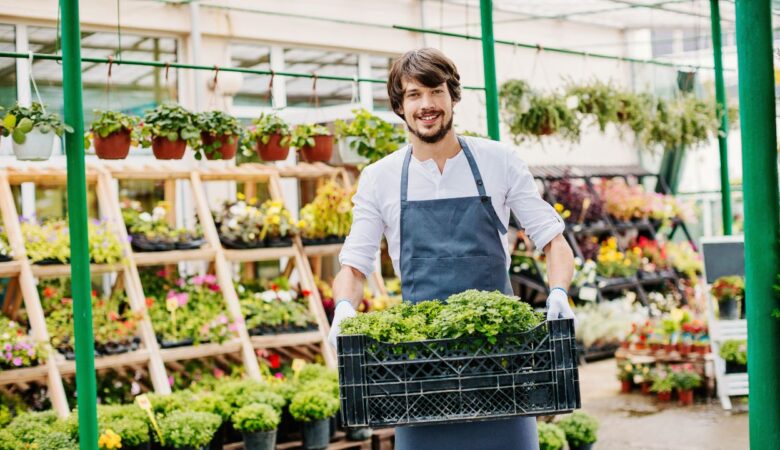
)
(427, 110)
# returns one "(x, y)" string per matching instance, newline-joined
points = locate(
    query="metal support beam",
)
(762, 209)
(489, 63)
(77, 221)
(722, 108)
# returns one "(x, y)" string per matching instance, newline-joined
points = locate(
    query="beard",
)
(432, 138)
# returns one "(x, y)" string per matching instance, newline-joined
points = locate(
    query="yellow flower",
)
(240, 196)
(559, 207)
(253, 200)
(301, 224)
(628, 367)
(109, 440)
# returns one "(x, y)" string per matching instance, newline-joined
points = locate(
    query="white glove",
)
(343, 311)
(558, 306)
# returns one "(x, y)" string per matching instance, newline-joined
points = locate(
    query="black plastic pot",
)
(141, 243)
(50, 262)
(261, 440)
(277, 242)
(732, 367)
(6, 258)
(190, 245)
(240, 245)
(358, 434)
(728, 309)
(317, 241)
(316, 434)
(173, 344)
(144, 446)
(581, 446)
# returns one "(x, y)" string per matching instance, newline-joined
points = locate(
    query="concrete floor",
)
(634, 421)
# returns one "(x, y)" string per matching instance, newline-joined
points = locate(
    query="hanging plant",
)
(698, 121)
(598, 100)
(113, 133)
(220, 134)
(536, 115)
(168, 129)
(32, 130)
(367, 138)
(315, 142)
(632, 110)
(271, 135)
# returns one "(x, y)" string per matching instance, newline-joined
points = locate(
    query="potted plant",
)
(686, 380)
(314, 408)
(533, 114)
(734, 352)
(5, 249)
(18, 349)
(328, 218)
(663, 385)
(551, 437)
(32, 130)
(113, 133)
(367, 138)
(257, 423)
(278, 225)
(315, 142)
(612, 263)
(150, 232)
(168, 129)
(598, 100)
(626, 377)
(121, 426)
(188, 430)
(220, 134)
(580, 429)
(271, 135)
(729, 292)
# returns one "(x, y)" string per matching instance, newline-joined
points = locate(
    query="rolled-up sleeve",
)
(539, 219)
(362, 244)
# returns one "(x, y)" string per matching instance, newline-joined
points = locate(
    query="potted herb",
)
(551, 437)
(219, 135)
(734, 352)
(315, 142)
(314, 408)
(272, 137)
(168, 129)
(32, 130)
(687, 380)
(257, 423)
(729, 292)
(367, 138)
(663, 385)
(580, 429)
(188, 430)
(113, 133)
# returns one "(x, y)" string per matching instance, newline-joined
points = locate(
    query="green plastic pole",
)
(77, 219)
(723, 131)
(489, 63)
(762, 209)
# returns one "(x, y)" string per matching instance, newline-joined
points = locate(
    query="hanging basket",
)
(273, 150)
(114, 146)
(348, 153)
(36, 147)
(322, 150)
(227, 149)
(163, 148)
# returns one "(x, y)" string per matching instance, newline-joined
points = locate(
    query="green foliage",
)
(172, 122)
(128, 421)
(239, 393)
(21, 120)
(598, 100)
(154, 226)
(303, 135)
(310, 404)
(663, 381)
(5, 416)
(256, 417)
(8, 441)
(188, 428)
(329, 214)
(211, 402)
(551, 437)
(372, 137)
(168, 403)
(317, 372)
(31, 426)
(216, 123)
(532, 114)
(734, 350)
(686, 379)
(51, 241)
(18, 350)
(580, 428)
(107, 123)
(266, 126)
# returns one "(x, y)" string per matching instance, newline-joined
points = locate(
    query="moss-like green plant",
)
(310, 405)
(256, 417)
(182, 429)
(580, 428)
(551, 437)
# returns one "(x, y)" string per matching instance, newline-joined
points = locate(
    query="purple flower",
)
(129, 238)
(8, 347)
(180, 282)
(31, 353)
(17, 361)
(170, 380)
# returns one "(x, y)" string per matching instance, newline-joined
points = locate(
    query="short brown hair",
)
(428, 66)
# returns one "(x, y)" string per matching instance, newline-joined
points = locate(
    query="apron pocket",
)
(438, 278)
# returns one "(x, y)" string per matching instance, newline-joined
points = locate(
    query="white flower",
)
(284, 296)
(572, 102)
(525, 104)
(268, 296)
(158, 213)
(145, 216)
(233, 224)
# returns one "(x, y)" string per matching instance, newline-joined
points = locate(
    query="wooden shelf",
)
(63, 270)
(10, 269)
(140, 356)
(173, 256)
(25, 375)
(322, 250)
(259, 254)
(286, 340)
(200, 351)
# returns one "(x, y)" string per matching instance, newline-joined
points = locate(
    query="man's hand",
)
(343, 310)
(558, 306)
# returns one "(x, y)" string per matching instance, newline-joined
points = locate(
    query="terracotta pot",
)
(686, 397)
(322, 150)
(640, 346)
(114, 146)
(625, 344)
(273, 150)
(166, 149)
(684, 349)
(227, 149)
(655, 347)
(669, 348)
(625, 386)
(646, 388)
(665, 396)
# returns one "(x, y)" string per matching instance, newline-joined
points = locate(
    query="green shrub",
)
(317, 372)
(128, 421)
(551, 437)
(663, 381)
(256, 417)
(8, 441)
(212, 402)
(310, 405)
(264, 397)
(188, 428)
(29, 426)
(580, 428)
(5, 416)
(167, 403)
(687, 380)
(734, 350)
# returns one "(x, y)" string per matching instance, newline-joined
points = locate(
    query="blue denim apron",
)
(448, 246)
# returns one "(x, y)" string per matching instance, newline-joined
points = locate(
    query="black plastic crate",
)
(456, 380)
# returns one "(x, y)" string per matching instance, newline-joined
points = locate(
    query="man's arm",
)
(560, 262)
(348, 285)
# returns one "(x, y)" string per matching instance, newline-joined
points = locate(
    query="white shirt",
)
(377, 203)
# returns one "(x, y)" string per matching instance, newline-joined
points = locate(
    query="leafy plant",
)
(256, 418)
(528, 113)
(266, 126)
(17, 349)
(154, 226)
(372, 137)
(734, 350)
(551, 437)
(273, 306)
(580, 428)
(127, 422)
(216, 124)
(310, 405)
(21, 120)
(110, 122)
(329, 214)
(686, 378)
(171, 122)
(663, 381)
(611, 262)
(51, 242)
(732, 286)
(182, 429)
(303, 135)
(596, 99)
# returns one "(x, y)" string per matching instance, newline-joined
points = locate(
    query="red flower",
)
(113, 316)
(149, 302)
(273, 359)
(306, 292)
(274, 287)
(49, 292)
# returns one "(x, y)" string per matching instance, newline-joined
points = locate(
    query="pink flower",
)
(180, 282)
(210, 278)
(17, 361)
(170, 380)
(183, 298)
(197, 280)
(214, 287)
(222, 319)
(219, 373)
(279, 375)
(233, 327)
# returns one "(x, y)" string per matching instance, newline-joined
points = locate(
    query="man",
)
(443, 204)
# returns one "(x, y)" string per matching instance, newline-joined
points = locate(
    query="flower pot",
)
(685, 396)
(732, 367)
(684, 349)
(261, 440)
(278, 241)
(348, 153)
(640, 345)
(316, 434)
(670, 348)
(6, 258)
(227, 149)
(273, 150)
(665, 396)
(190, 245)
(728, 309)
(625, 386)
(37, 146)
(163, 148)
(581, 446)
(646, 387)
(141, 243)
(322, 150)
(655, 347)
(114, 146)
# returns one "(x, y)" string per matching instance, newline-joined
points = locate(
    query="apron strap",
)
(405, 174)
